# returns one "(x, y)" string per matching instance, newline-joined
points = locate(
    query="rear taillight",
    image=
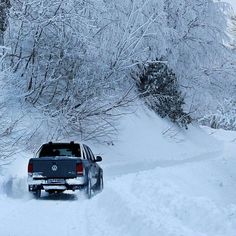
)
(79, 169)
(30, 168)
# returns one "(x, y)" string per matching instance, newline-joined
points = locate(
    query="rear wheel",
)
(37, 193)
(101, 184)
(89, 188)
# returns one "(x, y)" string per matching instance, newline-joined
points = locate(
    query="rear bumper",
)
(48, 184)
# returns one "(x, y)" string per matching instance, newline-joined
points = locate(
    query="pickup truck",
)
(64, 166)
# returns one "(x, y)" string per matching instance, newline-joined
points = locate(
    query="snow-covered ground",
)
(232, 2)
(158, 181)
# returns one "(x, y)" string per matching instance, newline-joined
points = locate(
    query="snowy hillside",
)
(158, 181)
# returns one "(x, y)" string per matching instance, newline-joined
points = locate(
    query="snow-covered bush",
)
(159, 88)
(223, 118)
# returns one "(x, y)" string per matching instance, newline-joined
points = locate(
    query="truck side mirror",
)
(98, 159)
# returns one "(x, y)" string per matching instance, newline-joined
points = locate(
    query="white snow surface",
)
(159, 180)
(233, 3)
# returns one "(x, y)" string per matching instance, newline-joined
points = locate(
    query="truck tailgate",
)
(53, 167)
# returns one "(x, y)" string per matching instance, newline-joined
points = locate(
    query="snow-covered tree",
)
(223, 116)
(233, 32)
(197, 51)
(56, 64)
(71, 60)
(68, 55)
(159, 88)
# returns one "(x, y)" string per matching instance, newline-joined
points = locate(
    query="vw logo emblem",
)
(54, 168)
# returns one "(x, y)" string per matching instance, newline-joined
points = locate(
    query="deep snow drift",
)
(158, 181)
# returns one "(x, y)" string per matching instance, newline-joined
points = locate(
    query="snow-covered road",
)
(192, 194)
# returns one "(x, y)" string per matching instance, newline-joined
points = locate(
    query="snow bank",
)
(147, 141)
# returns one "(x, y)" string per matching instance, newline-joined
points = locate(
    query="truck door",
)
(93, 165)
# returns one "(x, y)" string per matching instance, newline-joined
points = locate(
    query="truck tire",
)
(89, 188)
(37, 193)
(101, 184)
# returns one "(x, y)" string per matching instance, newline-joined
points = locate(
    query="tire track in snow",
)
(119, 169)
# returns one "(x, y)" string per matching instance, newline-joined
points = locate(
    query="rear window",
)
(69, 150)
